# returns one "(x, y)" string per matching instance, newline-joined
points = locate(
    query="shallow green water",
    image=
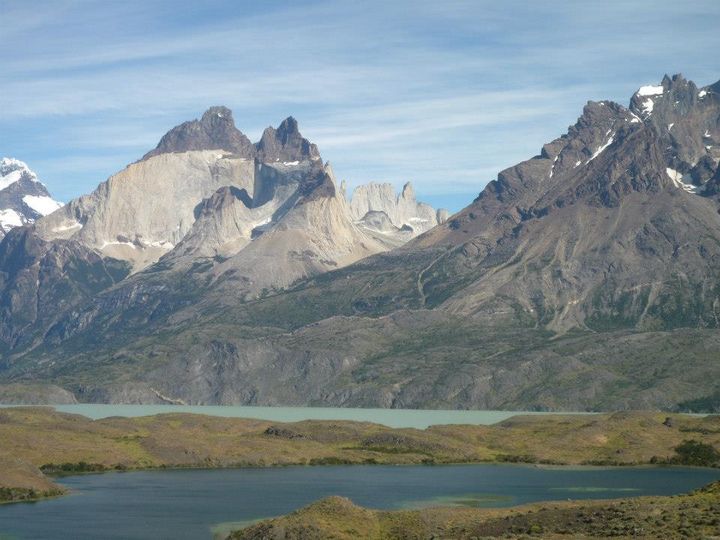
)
(399, 418)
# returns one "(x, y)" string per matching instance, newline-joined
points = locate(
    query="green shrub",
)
(696, 453)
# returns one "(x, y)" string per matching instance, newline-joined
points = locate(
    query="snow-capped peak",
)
(23, 198)
(12, 170)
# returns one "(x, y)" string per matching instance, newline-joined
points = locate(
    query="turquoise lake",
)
(400, 418)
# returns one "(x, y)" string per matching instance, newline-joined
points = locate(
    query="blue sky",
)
(442, 93)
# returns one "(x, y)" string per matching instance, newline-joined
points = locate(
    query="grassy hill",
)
(34, 439)
(695, 515)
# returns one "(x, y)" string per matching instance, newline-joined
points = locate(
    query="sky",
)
(442, 93)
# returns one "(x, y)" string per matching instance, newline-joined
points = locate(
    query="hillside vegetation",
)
(696, 515)
(40, 439)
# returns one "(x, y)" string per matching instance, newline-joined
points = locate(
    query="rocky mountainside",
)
(377, 209)
(612, 226)
(583, 278)
(23, 198)
(206, 209)
(207, 192)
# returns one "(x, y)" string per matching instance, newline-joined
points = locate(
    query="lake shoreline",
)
(693, 514)
(394, 418)
(567, 467)
(179, 441)
(187, 504)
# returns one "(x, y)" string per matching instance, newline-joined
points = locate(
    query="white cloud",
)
(444, 94)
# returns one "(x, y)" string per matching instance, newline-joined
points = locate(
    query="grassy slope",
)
(20, 481)
(424, 360)
(696, 515)
(57, 442)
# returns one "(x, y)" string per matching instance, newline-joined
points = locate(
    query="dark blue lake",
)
(194, 503)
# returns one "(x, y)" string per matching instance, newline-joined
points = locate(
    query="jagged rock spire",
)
(285, 144)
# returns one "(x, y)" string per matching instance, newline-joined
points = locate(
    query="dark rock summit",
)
(224, 196)
(214, 131)
(285, 144)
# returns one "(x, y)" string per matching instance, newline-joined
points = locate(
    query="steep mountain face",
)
(42, 279)
(174, 195)
(297, 225)
(23, 198)
(376, 208)
(140, 213)
(227, 219)
(586, 277)
(601, 230)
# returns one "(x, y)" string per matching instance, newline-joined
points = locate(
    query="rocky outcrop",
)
(310, 235)
(684, 117)
(23, 198)
(224, 225)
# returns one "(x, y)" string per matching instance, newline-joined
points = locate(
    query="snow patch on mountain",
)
(9, 218)
(650, 90)
(648, 105)
(42, 204)
(603, 147)
(678, 181)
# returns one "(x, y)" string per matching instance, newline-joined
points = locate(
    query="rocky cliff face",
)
(207, 208)
(377, 208)
(23, 198)
(142, 212)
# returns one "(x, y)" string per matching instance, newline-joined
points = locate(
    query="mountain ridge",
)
(191, 212)
(612, 230)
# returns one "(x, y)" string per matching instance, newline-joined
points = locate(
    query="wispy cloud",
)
(442, 93)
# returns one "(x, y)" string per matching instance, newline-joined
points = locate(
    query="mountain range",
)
(218, 271)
